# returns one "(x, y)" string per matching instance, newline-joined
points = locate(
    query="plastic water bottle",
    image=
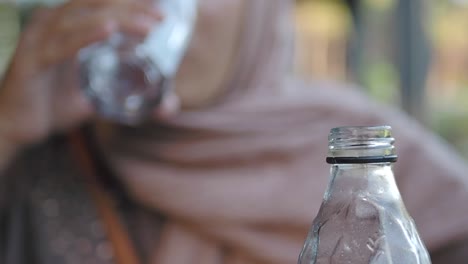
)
(362, 219)
(125, 77)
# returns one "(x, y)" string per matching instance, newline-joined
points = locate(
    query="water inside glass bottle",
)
(123, 83)
(362, 219)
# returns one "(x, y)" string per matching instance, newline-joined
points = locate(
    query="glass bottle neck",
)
(364, 180)
(367, 145)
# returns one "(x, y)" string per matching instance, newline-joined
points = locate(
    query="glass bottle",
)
(362, 219)
(126, 77)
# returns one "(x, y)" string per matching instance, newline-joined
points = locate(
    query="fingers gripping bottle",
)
(126, 77)
(362, 219)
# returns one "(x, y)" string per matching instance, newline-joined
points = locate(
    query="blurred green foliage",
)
(9, 31)
(380, 78)
(446, 23)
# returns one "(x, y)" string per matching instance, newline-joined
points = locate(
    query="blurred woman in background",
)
(230, 170)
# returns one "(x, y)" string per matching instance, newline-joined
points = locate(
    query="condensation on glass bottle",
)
(126, 77)
(362, 219)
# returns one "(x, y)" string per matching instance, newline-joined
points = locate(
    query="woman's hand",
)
(39, 94)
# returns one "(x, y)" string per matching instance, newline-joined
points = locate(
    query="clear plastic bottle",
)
(125, 77)
(362, 219)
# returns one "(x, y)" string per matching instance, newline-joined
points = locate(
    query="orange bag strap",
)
(123, 248)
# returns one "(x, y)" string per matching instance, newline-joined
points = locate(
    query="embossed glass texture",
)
(362, 219)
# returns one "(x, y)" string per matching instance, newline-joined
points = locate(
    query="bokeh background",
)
(411, 54)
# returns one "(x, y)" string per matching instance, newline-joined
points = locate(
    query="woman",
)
(235, 177)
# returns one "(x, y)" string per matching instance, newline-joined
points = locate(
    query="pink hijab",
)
(240, 182)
